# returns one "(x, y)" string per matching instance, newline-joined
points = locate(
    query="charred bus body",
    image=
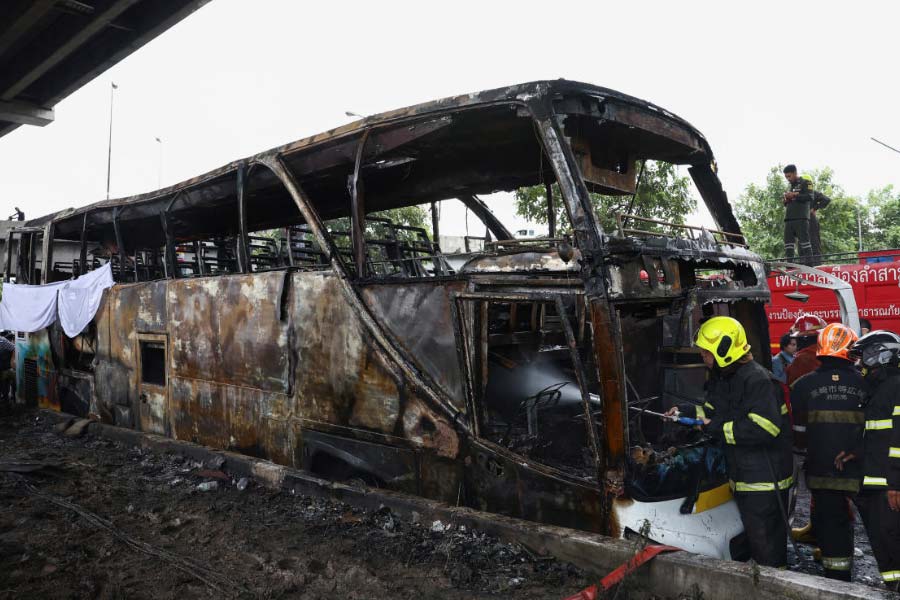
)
(349, 346)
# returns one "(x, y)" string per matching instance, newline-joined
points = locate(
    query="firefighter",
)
(832, 397)
(805, 330)
(742, 411)
(877, 501)
(797, 202)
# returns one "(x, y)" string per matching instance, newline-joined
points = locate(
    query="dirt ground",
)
(148, 532)
(101, 520)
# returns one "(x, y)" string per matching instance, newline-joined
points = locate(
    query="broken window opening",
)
(526, 393)
(153, 363)
(664, 369)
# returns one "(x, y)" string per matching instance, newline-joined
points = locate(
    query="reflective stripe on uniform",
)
(880, 424)
(799, 428)
(836, 416)
(875, 481)
(763, 486)
(837, 563)
(766, 424)
(842, 484)
(728, 429)
(894, 452)
(897, 411)
(890, 575)
(701, 414)
(784, 409)
(709, 406)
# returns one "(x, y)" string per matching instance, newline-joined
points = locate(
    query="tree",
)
(883, 228)
(662, 194)
(760, 212)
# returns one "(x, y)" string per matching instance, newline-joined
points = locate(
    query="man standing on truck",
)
(752, 425)
(819, 201)
(879, 499)
(797, 202)
(832, 397)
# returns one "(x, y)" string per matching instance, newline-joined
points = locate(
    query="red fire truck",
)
(874, 277)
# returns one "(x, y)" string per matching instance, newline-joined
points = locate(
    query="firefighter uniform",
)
(832, 398)
(881, 471)
(796, 221)
(753, 427)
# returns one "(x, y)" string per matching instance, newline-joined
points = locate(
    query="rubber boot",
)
(804, 535)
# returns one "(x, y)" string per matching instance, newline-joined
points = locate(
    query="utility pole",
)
(112, 91)
(159, 173)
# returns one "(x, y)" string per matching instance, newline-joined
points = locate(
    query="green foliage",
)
(883, 229)
(662, 194)
(761, 214)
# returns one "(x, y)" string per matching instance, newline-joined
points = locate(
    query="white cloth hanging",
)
(78, 302)
(30, 308)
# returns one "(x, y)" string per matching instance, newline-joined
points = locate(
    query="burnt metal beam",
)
(551, 209)
(119, 241)
(487, 217)
(28, 19)
(66, 49)
(25, 113)
(47, 253)
(243, 256)
(435, 224)
(358, 211)
(82, 247)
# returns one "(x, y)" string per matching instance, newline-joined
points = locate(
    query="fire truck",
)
(873, 277)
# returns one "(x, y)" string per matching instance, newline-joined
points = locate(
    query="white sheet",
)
(30, 308)
(79, 300)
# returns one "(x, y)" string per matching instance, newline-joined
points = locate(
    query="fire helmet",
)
(725, 338)
(807, 324)
(835, 340)
(877, 348)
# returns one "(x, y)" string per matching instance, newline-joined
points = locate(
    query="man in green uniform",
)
(797, 203)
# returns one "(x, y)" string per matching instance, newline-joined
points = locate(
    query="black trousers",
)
(797, 229)
(815, 239)
(834, 532)
(764, 526)
(883, 528)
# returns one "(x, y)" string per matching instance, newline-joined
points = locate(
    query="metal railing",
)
(721, 237)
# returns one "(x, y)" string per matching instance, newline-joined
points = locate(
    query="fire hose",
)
(619, 573)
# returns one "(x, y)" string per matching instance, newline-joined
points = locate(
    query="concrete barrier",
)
(668, 575)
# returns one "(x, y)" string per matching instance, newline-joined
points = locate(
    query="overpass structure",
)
(50, 48)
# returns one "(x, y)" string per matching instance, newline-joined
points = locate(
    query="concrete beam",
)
(68, 47)
(25, 22)
(25, 113)
(677, 574)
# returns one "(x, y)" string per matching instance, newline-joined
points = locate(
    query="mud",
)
(254, 543)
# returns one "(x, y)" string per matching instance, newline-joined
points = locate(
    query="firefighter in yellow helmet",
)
(744, 410)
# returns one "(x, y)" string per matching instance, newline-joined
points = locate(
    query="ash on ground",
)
(224, 542)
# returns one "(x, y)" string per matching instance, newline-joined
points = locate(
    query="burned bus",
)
(269, 308)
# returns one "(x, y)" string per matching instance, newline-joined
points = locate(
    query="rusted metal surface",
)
(391, 377)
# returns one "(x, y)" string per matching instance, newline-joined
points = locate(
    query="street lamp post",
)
(112, 90)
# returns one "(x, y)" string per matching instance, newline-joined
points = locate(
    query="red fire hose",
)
(621, 571)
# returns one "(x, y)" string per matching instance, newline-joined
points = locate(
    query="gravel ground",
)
(865, 570)
(145, 530)
(102, 520)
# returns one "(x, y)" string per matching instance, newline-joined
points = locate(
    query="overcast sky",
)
(766, 82)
